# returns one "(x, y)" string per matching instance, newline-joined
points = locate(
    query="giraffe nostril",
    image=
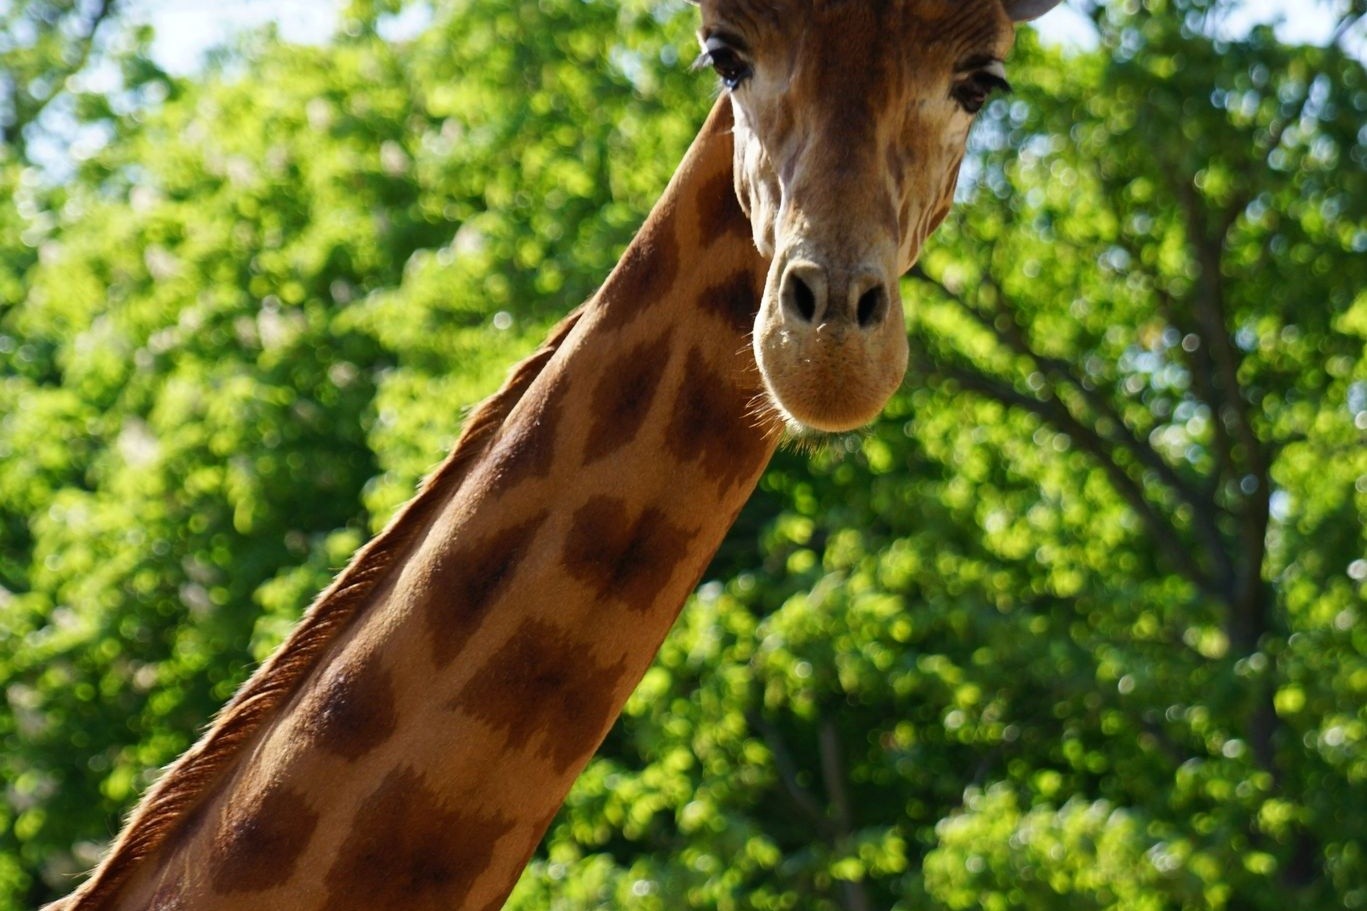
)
(873, 304)
(802, 298)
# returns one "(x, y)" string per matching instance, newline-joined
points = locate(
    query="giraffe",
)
(410, 742)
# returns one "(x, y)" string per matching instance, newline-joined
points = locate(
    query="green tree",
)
(233, 342)
(43, 43)
(1075, 625)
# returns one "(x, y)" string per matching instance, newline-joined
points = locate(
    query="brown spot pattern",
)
(259, 841)
(468, 582)
(620, 558)
(719, 211)
(645, 272)
(623, 398)
(351, 711)
(526, 450)
(735, 300)
(407, 850)
(544, 684)
(711, 423)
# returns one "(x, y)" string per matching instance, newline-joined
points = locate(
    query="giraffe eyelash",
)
(729, 63)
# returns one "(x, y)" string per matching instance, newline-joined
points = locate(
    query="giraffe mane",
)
(191, 778)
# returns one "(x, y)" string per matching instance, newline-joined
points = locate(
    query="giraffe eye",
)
(972, 92)
(727, 61)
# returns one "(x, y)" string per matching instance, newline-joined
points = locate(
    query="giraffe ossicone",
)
(411, 741)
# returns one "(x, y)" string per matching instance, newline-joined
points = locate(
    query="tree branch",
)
(833, 776)
(856, 897)
(12, 134)
(1054, 413)
(1345, 25)
(1248, 453)
(1002, 323)
(1248, 599)
(1207, 510)
(807, 805)
(1102, 445)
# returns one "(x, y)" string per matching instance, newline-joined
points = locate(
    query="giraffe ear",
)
(1025, 10)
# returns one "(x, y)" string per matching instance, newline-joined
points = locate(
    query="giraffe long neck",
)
(422, 756)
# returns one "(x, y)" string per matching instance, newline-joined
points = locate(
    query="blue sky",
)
(186, 30)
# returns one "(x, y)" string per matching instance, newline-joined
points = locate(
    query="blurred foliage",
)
(1077, 624)
(43, 44)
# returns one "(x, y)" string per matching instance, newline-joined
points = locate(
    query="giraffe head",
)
(851, 120)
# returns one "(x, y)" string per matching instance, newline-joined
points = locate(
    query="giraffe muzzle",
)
(830, 342)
